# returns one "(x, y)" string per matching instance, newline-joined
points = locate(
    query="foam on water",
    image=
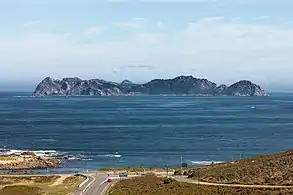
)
(206, 162)
(112, 155)
(48, 140)
(41, 153)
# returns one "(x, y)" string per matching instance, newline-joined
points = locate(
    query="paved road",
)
(96, 185)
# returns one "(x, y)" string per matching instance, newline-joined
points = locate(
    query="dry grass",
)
(21, 190)
(152, 185)
(28, 179)
(274, 169)
(35, 185)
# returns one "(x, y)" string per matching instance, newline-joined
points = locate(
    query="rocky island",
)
(181, 85)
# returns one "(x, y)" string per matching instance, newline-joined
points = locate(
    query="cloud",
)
(139, 18)
(262, 18)
(220, 50)
(212, 18)
(115, 70)
(236, 19)
(139, 66)
(94, 30)
(128, 24)
(160, 25)
(31, 23)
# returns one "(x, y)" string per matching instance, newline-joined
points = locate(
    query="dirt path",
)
(60, 180)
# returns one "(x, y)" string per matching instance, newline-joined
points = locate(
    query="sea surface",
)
(151, 131)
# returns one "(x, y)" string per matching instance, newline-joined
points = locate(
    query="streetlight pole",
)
(180, 165)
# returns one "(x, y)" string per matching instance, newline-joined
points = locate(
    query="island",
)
(181, 85)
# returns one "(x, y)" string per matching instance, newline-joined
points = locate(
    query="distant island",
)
(181, 85)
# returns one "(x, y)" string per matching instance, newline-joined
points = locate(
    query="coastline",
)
(27, 161)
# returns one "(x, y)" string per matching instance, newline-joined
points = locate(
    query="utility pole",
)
(180, 165)
(198, 177)
(5, 142)
(167, 170)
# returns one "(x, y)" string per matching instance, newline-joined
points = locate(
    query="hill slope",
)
(273, 169)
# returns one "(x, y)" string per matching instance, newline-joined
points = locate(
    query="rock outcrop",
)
(244, 88)
(182, 85)
(27, 161)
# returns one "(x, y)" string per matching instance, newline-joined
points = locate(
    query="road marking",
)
(103, 181)
(104, 190)
(84, 190)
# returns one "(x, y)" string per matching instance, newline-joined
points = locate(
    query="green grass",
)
(152, 185)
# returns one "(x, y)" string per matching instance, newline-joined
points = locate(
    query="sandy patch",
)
(60, 180)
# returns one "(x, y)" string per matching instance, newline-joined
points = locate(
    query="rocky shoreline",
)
(27, 161)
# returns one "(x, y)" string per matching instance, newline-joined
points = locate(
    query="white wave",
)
(206, 162)
(81, 157)
(116, 155)
(22, 96)
(74, 158)
(87, 159)
(45, 152)
(48, 140)
(113, 155)
(41, 153)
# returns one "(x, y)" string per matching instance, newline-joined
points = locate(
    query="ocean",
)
(150, 131)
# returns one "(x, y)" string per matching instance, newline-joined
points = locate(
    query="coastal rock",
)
(27, 161)
(220, 90)
(77, 86)
(181, 85)
(244, 88)
(126, 83)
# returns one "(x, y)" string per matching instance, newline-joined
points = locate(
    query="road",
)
(96, 185)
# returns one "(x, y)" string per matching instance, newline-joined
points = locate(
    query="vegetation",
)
(35, 185)
(28, 179)
(152, 185)
(135, 169)
(273, 169)
(21, 190)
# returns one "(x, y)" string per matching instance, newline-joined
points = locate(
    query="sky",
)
(221, 40)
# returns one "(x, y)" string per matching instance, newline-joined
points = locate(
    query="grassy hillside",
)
(152, 185)
(38, 185)
(273, 169)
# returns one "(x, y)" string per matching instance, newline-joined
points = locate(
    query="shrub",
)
(168, 180)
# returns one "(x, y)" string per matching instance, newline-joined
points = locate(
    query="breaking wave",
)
(206, 162)
(116, 155)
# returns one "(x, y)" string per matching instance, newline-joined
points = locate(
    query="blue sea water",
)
(148, 130)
